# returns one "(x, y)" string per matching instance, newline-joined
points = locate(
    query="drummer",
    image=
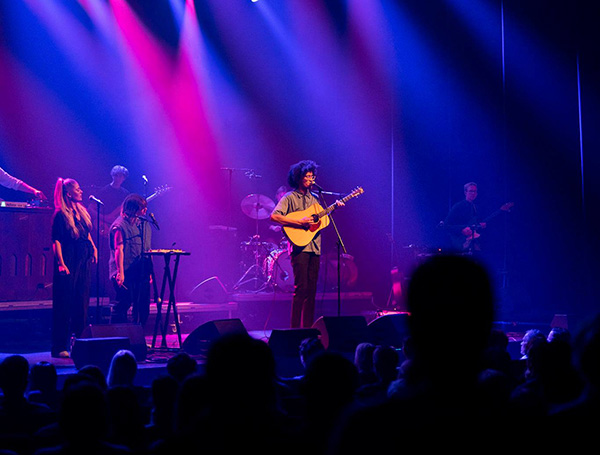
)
(255, 250)
(275, 234)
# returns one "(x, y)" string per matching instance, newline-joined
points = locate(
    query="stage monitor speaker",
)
(97, 351)
(210, 290)
(200, 339)
(285, 346)
(389, 329)
(342, 333)
(134, 332)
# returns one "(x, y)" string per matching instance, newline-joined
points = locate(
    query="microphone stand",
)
(144, 257)
(340, 246)
(98, 262)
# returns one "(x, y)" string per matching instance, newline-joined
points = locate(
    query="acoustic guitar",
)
(300, 236)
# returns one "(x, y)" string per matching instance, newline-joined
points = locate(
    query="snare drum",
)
(278, 267)
(253, 251)
(283, 244)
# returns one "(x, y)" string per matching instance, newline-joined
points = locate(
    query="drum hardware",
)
(279, 271)
(255, 271)
(257, 207)
(283, 243)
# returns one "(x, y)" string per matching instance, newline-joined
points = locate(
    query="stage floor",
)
(25, 326)
(24, 321)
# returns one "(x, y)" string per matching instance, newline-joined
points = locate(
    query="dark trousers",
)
(135, 293)
(70, 302)
(306, 274)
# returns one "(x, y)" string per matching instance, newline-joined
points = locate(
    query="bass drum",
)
(278, 267)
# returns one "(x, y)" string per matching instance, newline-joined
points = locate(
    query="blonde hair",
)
(60, 205)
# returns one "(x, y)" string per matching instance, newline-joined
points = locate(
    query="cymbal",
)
(257, 206)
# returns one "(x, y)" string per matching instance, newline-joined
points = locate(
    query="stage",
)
(26, 331)
(26, 325)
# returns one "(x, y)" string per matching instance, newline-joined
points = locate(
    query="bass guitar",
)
(107, 219)
(303, 236)
(475, 235)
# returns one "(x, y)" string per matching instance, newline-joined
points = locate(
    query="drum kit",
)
(270, 266)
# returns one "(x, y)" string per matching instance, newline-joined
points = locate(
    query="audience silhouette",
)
(235, 402)
(122, 372)
(126, 420)
(83, 422)
(363, 360)
(385, 366)
(438, 406)
(94, 373)
(181, 365)
(20, 418)
(165, 392)
(578, 418)
(43, 385)
(328, 390)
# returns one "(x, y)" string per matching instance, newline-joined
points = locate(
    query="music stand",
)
(168, 278)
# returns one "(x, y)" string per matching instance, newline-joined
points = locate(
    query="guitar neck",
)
(492, 215)
(333, 206)
(488, 218)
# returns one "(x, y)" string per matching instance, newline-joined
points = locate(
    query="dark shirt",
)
(461, 215)
(132, 243)
(22, 417)
(74, 250)
(112, 198)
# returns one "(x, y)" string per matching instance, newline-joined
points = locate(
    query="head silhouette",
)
(446, 294)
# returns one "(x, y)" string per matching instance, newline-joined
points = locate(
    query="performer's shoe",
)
(62, 355)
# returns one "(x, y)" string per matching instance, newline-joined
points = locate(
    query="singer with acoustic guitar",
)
(306, 256)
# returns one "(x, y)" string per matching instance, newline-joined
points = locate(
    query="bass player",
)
(464, 224)
(112, 196)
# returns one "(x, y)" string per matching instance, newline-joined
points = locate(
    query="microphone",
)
(154, 221)
(317, 186)
(145, 179)
(96, 200)
(252, 175)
